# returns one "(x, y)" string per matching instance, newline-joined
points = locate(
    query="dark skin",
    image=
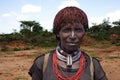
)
(71, 37)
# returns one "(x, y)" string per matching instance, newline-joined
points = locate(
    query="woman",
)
(67, 61)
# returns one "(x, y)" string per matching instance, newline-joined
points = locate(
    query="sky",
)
(44, 11)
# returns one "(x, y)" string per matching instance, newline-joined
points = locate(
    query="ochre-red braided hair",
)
(69, 15)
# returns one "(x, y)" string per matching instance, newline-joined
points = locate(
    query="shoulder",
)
(40, 59)
(35, 66)
(88, 57)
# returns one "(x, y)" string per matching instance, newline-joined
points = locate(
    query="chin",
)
(72, 48)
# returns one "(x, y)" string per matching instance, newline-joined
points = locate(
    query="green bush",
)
(16, 49)
(4, 48)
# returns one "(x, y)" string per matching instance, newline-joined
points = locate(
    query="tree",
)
(27, 25)
(31, 26)
(37, 28)
(101, 31)
(117, 23)
(116, 29)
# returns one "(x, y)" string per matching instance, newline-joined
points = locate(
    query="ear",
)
(58, 35)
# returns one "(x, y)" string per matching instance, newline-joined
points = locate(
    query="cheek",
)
(62, 39)
(80, 36)
(63, 36)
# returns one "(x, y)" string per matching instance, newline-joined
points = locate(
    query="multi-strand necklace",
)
(76, 76)
(69, 59)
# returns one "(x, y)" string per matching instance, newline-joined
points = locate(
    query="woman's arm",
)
(36, 70)
(99, 73)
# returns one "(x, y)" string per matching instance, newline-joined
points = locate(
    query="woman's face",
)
(71, 36)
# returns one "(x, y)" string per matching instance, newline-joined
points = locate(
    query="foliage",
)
(4, 48)
(16, 49)
(117, 22)
(104, 31)
(10, 37)
(32, 32)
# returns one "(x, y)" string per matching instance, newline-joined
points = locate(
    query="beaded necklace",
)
(74, 77)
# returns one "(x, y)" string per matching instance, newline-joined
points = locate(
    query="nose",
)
(72, 35)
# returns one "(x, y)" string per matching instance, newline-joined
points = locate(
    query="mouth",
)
(72, 43)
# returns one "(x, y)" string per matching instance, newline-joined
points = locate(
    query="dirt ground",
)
(14, 65)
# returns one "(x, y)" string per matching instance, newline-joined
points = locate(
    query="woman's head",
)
(69, 15)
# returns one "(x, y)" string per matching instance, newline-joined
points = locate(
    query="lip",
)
(72, 43)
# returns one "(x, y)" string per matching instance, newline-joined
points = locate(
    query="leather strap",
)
(91, 68)
(45, 61)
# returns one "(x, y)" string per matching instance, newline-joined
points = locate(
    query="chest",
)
(49, 71)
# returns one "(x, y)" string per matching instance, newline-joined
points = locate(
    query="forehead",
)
(73, 25)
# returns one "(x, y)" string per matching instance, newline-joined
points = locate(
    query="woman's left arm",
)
(99, 73)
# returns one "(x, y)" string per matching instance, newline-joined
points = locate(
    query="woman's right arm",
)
(36, 70)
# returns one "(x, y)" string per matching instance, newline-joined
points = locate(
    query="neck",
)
(68, 58)
(67, 51)
(64, 52)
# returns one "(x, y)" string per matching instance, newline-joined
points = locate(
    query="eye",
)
(79, 30)
(66, 30)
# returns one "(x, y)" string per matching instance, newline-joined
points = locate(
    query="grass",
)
(7, 52)
(4, 48)
(113, 57)
(92, 54)
(20, 78)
